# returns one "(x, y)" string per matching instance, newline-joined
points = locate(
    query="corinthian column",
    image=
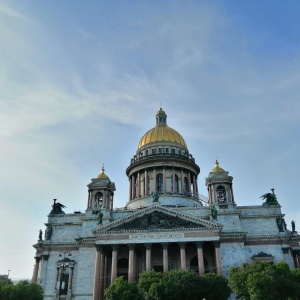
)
(218, 258)
(114, 262)
(36, 270)
(200, 257)
(96, 293)
(148, 257)
(131, 263)
(165, 257)
(182, 256)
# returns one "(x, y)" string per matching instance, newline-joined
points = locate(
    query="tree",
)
(21, 291)
(263, 281)
(216, 287)
(121, 289)
(146, 280)
(178, 285)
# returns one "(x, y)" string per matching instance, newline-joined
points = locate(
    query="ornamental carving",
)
(156, 220)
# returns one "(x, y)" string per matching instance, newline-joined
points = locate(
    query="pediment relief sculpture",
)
(156, 220)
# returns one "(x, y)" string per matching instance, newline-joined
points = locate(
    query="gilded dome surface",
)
(217, 169)
(102, 174)
(161, 132)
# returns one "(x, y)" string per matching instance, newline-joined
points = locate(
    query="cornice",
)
(233, 234)
(90, 219)
(263, 237)
(262, 216)
(64, 224)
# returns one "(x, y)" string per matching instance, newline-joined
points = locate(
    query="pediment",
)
(157, 218)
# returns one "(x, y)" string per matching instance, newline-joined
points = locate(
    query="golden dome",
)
(161, 132)
(217, 169)
(102, 174)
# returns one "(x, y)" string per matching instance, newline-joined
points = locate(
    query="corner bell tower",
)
(219, 186)
(101, 193)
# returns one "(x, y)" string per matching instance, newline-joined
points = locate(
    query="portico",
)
(165, 240)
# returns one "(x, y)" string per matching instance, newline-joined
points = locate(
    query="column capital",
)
(199, 244)
(165, 245)
(131, 246)
(182, 245)
(99, 248)
(217, 244)
(115, 247)
(148, 245)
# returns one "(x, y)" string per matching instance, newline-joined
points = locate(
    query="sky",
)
(81, 82)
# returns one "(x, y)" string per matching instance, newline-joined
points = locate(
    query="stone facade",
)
(166, 224)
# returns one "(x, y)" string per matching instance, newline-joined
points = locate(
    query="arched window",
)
(98, 199)
(176, 184)
(176, 191)
(148, 185)
(221, 194)
(185, 185)
(160, 182)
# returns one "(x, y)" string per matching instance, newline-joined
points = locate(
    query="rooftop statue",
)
(57, 208)
(270, 198)
(213, 213)
(155, 196)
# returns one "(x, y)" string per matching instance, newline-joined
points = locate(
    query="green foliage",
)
(121, 289)
(263, 281)
(216, 287)
(146, 280)
(178, 285)
(173, 285)
(21, 291)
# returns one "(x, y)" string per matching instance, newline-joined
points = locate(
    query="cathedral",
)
(166, 224)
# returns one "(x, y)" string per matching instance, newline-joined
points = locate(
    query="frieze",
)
(155, 235)
(156, 220)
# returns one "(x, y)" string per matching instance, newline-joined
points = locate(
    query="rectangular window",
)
(159, 150)
(173, 151)
(153, 151)
(167, 150)
(179, 152)
(64, 280)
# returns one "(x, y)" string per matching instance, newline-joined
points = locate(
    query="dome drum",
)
(166, 160)
(168, 201)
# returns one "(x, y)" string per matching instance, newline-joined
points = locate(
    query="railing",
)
(136, 159)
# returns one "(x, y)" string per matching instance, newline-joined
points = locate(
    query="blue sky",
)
(81, 81)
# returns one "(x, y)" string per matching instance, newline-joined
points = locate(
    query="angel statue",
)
(270, 198)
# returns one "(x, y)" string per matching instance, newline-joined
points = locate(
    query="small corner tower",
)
(101, 192)
(219, 186)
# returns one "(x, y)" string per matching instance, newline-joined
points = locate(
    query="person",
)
(40, 235)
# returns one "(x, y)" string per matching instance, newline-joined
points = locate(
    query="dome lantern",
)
(161, 117)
